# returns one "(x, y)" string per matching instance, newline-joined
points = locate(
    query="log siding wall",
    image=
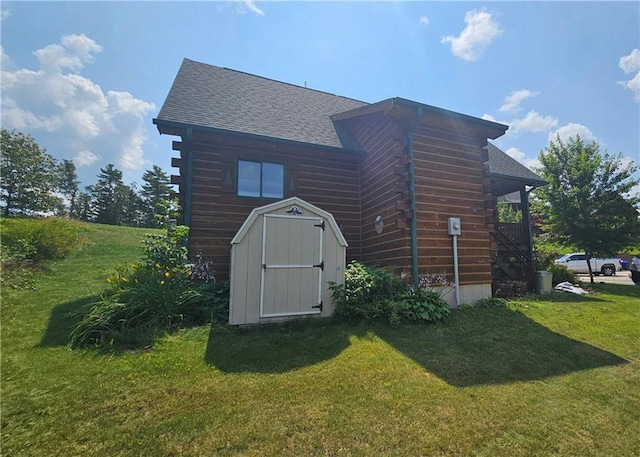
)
(451, 181)
(383, 178)
(326, 179)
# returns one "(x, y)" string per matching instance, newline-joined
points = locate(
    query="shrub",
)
(367, 293)
(160, 294)
(39, 240)
(372, 293)
(424, 305)
(561, 274)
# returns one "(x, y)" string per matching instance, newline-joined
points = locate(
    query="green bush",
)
(561, 274)
(371, 293)
(424, 305)
(39, 240)
(367, 293)
(160, 294)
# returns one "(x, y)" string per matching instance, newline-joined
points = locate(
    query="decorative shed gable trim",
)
(287, 203)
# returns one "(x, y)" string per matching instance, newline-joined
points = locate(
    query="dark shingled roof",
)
(504, 166)
(209, 96)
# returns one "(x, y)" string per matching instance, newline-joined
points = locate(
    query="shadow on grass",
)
(275, 348)
(474, 347)
(495, 346)
(63, 319)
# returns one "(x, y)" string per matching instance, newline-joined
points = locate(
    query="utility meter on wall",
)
(454, 226)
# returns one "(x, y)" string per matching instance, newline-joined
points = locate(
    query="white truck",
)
(577, 262)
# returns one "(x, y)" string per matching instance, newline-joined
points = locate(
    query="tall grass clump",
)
(159, 294)
(372, 293)
(29, 244)
(39, 240)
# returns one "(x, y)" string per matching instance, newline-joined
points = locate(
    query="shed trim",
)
(256, 212)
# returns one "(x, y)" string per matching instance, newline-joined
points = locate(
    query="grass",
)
(553, 375)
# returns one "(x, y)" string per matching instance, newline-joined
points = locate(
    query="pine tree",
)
(154, 190)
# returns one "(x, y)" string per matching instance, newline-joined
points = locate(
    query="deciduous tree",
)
(68, 184)
(28, 175)
(587, 203)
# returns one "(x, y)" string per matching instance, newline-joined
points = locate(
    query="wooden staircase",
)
(512, 265)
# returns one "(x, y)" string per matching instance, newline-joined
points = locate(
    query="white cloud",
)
(251, 6)
(5, 60)
(73, 53)
(631, 64)
(515, 153)
(533, 122)
(571, 130)
(512, 101)
(489, 117)
(4, 14)
(633, 85)
(424, 20)
(85, 158)
(520, 156)
(480, 31)
(79, 119)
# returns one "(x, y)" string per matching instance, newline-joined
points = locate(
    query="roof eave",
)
(171, 128)
(493, 129)
(531, 182)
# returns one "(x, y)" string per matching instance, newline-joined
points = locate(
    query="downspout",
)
(188, 178)
(413, 207)
(526, 220)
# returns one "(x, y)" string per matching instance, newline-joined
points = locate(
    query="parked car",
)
(577, 262)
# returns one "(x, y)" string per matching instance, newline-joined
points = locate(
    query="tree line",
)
(33, 182)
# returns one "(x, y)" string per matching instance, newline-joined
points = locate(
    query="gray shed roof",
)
(501, 165)
(209, 96)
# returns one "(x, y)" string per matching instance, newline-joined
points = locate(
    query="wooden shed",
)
(282, 259)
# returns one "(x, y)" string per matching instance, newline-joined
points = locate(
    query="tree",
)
(28, 175)
(109, 196)
(84, 209)
(154, 190)
(133, 206)
(68, 184)
(587, 203)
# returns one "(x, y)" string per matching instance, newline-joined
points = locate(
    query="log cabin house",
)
(391, 173)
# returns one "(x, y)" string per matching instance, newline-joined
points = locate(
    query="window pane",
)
(272, 180)
(248, 179)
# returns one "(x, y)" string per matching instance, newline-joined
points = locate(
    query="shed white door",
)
(292, 265)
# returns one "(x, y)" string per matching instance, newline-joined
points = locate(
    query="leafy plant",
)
(562, 274)
(366, 293)
(424, 305)
(372, 293)
(159, 294)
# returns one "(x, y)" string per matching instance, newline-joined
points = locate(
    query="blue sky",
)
(87, 78)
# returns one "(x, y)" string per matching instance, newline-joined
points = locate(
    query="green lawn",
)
(551, 376)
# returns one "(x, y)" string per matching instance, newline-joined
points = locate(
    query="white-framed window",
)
(260, 179)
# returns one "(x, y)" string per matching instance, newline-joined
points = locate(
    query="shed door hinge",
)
(321, 225)
(320, 265)
(318, 307)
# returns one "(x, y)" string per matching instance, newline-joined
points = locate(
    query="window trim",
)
(262, 163)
